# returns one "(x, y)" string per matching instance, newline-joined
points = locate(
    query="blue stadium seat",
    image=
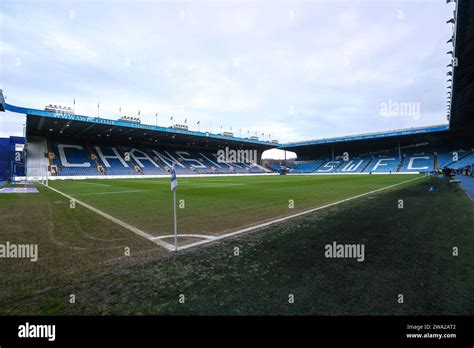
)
(73, 160)
(464, 160)
(307, 167)
(77, 160)
(418, 163)
(383, 164)
(355, 165)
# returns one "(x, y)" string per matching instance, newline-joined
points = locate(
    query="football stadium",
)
(106, 215)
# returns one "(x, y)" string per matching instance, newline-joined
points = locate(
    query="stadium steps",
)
(466, 159)
(336, 169)
(366, 166)
(467, 153)
(96, 161)
(37, 148)
(50, 161)
(132, 161)
(400, 166)
(262, 168)
(318, 166)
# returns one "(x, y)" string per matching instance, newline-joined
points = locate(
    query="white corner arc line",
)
(268, 223)
(203, 236)
(117, 221)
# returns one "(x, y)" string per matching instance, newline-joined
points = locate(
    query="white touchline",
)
(208, 238)
(265, 224)
(117, 221)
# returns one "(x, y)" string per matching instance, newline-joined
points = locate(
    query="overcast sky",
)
(294, 69)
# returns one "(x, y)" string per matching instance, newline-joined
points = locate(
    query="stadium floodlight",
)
(450, 73)
(450, 52)
(449, 65)
(450, 40)
(449, 80)
(451, 21)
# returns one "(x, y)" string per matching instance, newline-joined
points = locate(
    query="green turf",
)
(408, 251)
(214, 205)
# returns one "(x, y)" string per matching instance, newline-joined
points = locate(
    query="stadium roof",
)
(462, 86)
(367, 136)
(59, 124)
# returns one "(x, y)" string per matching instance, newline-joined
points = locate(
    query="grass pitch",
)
(212, 206)
(408, 251)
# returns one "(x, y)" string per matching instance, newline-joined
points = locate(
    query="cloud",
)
(70, 48)
(297, 70)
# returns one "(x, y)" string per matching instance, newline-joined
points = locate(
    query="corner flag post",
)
(174, 184)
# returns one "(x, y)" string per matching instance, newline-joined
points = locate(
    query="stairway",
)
(37, 160)
(400, 166)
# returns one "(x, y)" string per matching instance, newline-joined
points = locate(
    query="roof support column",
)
(399, 151)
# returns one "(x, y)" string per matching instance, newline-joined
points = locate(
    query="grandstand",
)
(69, 160)
(65, 145)
(415, 150)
